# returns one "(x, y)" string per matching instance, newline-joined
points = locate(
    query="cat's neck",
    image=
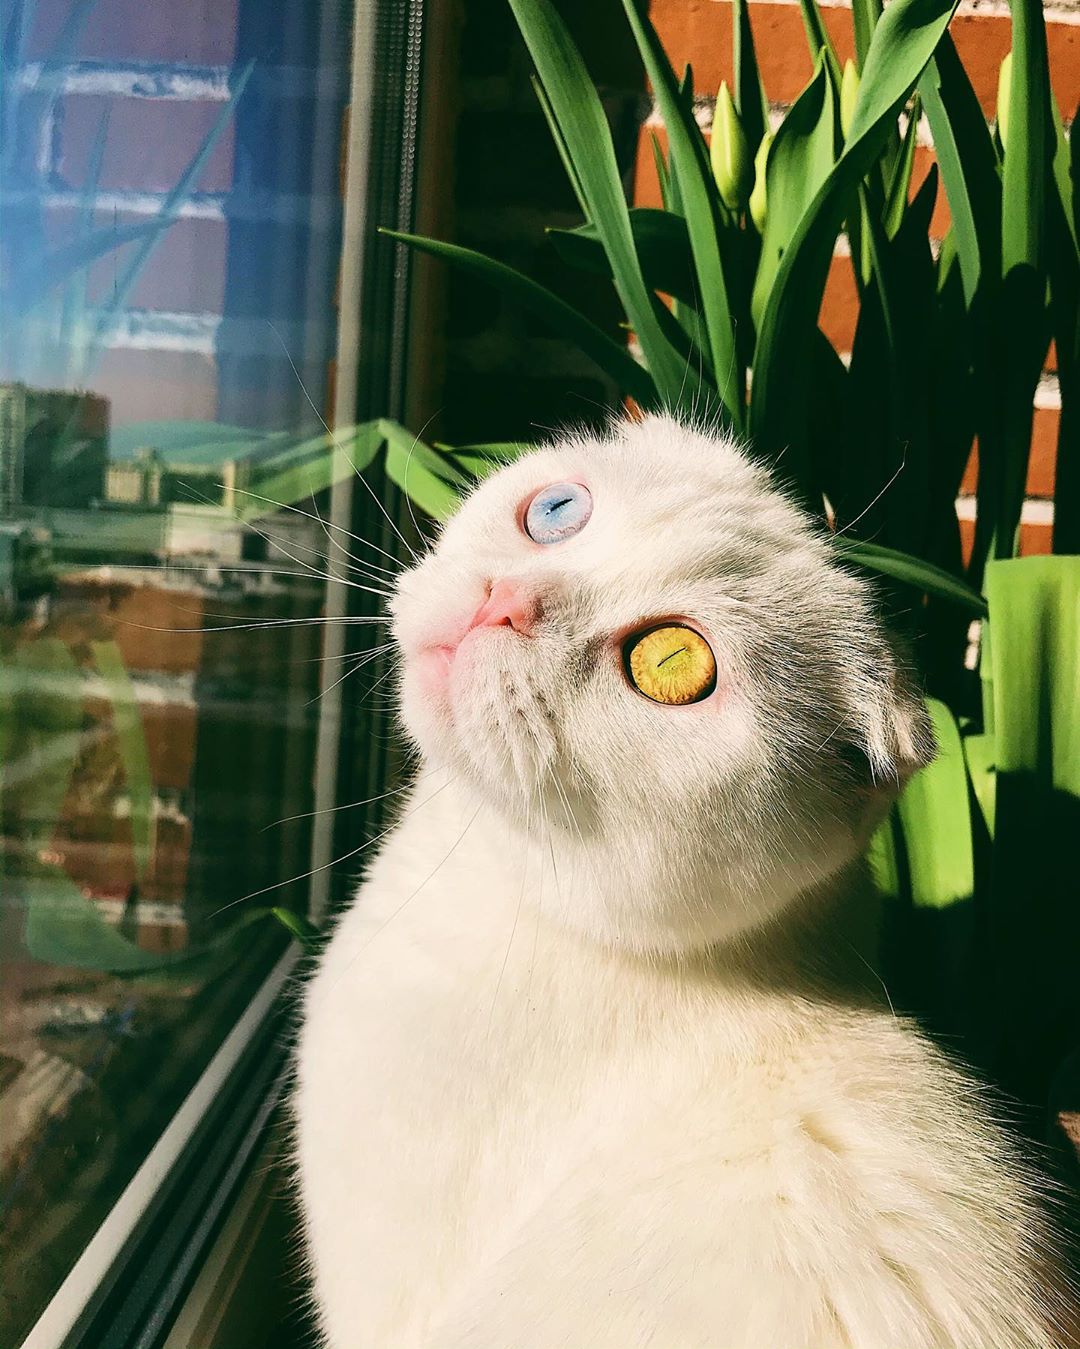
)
(818, 942)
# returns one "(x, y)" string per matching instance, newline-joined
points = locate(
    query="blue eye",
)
(558, 512)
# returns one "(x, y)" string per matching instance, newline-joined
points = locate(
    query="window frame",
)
(108, 1284)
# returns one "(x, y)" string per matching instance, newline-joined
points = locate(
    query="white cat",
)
(574, 1070)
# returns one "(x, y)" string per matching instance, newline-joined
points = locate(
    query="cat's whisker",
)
(325, 660)
(352, 563)
(273, 542)
(166, 568)
(355, 666)
(329, 524)
(348, 805)
(382, 509)
(381, 591)
(408, 461)
(409, 898)
(517, 911)
(371, 571)
(871, 504)
(392, 669)
(571, 818)
(540, 896)
(203, 499)
(244, 625)
(335, 438)
(345, 857)
(336, 441)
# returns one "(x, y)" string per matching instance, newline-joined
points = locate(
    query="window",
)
(179, 317)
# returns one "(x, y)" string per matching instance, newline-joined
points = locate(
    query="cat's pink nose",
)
(508, 606)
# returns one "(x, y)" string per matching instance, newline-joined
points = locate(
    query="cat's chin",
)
(447, 697)
(436, 664)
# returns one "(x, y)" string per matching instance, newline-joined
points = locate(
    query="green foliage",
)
(984, 840)
(578, 114)
(1031, 910)
(934, 816)
(723, 289)
(947, 348)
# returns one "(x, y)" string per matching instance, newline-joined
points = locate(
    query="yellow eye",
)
(671, 664)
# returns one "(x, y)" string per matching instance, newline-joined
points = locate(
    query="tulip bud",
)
(1003, 93)
(849, 93)
(729, 153)
(758, 198)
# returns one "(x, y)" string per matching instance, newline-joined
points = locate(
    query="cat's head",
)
(638, 645)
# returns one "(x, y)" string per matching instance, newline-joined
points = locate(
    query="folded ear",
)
(902, 739)
(896, 733)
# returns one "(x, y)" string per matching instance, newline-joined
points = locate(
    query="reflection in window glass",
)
(171, 208)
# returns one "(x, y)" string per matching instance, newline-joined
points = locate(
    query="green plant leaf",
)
(865, 14)
(903, 42)
(56, 267)
(61, 52)
(903, 270)
(1025, 183)
(750, 99)
(310, 937)
(801, 156)
(817, 37)
(698, 198)
(913, 571)
(952, 386)
(883, 860)
(663, 177)
(65, 928)
(662, 244)
(73, 333)
(414, 450)
(480, 460)
(1016, 314)
(426, 477)
(303, 470)
(1031, 915)
(1034, 605)
(1065, 317)
(684, 329)
(560, 144)
(46, 701)
(613, 359)
(1030, 122)
(897, 196)
(1063, 171)
(935, 816)
(576, 108)
(979, 756)
(968, 162)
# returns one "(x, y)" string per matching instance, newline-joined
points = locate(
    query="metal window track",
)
(171, 1206)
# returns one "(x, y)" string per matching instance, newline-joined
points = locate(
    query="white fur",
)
(573, 1070)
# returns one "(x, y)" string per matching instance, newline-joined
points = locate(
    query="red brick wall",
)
(699, 32)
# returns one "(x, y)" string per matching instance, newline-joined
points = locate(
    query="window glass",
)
(171, 216)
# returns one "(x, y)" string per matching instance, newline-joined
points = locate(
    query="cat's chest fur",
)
(498, 1120)
(461, 1056)
(489, 1044)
